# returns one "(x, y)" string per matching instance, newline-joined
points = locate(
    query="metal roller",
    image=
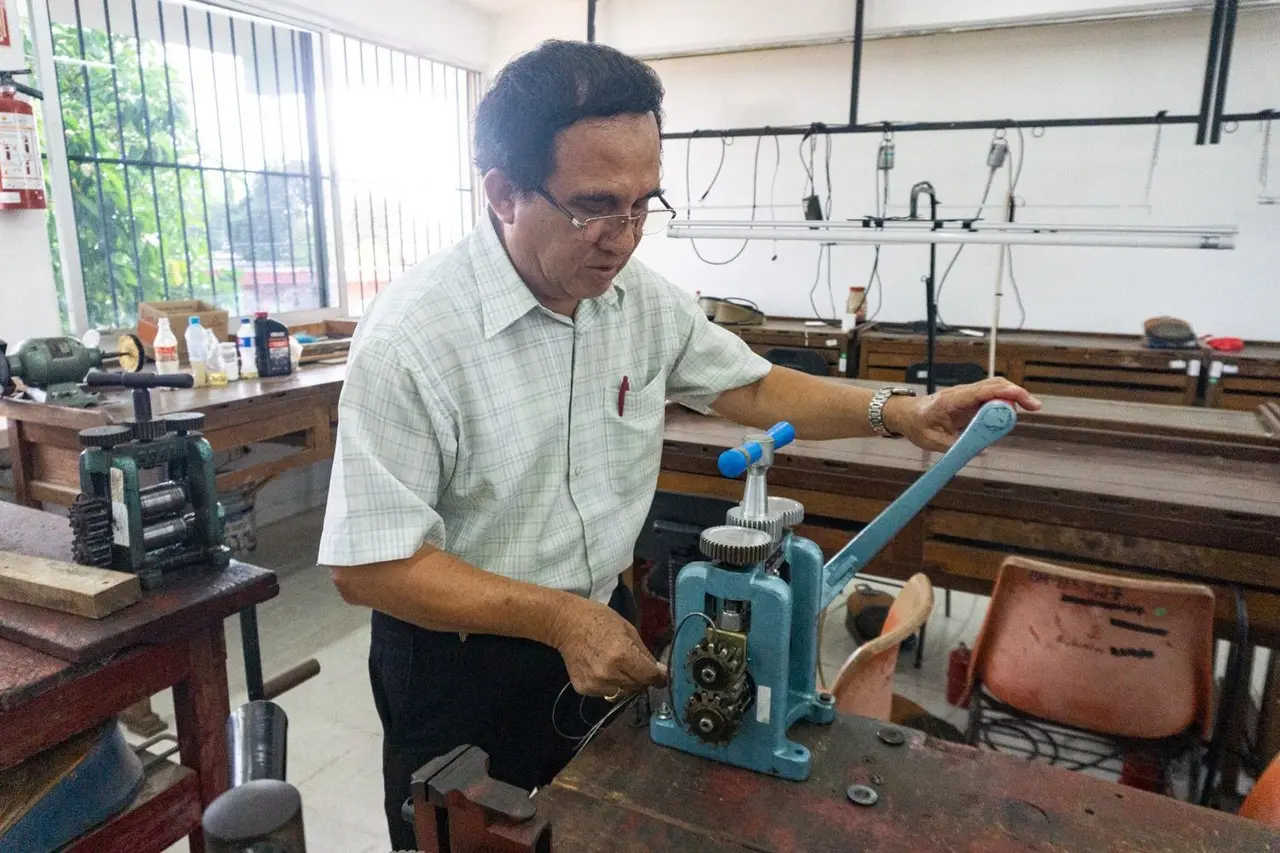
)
(162, 500)
(171, 531)
(257, 742)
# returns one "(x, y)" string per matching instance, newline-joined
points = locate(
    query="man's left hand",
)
(936, 421)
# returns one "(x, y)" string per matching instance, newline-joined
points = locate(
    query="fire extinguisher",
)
(21, 175)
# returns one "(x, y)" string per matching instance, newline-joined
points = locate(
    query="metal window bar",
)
(147, 126)
(410, 162)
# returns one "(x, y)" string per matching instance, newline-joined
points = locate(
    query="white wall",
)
(1112, 68)
(28, 298)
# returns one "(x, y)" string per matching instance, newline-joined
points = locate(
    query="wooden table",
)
(172, 638)
(832, 343)
(1161, 491)
(1075, 364)
(45, 450)
(624, 793)
(1245, 379)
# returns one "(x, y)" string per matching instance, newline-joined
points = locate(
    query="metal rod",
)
(266, 181)
(1224, 66)
(874, 236)
(460, 110)
(327, 76)
(355, 202)
(107, 243)
(373, 222)
(284, 161)
(907, 127)
(244, 161)
(899, 226)
(404, 64)
(591, 21)
(252, 654)
(386, 212)
(859, 11)
(195, 117)
(226, 177)
(1210, 71)
(139, 293)
(192, 167)
(146, 122)
(414, 204)
(308, 124)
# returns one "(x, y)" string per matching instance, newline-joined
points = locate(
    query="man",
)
(500, 430)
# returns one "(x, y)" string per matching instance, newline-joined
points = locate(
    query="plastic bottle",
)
(213, 360)
(248, 350)
(230, 360)
(197, 350)
(272, 339)
(166, 347)
(855, 308)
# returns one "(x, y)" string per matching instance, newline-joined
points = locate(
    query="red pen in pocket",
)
(622, 395)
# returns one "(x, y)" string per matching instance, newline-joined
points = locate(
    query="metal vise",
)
(739, 685)
(455, 807)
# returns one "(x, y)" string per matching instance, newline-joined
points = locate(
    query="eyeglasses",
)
(652, 221)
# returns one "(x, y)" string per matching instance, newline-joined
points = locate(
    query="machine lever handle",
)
(993, 421)
(735, 461)
(139, 380)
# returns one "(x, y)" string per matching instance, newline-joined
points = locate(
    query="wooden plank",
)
(295, 419)
(1248, 384)
(165, 810)
(66, 587)
(1097, 391)
(1125, 375)
(20, 451)
(55, 464)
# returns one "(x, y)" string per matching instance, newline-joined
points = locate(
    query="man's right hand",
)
(603, 652)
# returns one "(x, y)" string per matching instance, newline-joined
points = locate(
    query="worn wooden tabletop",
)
(624, 793)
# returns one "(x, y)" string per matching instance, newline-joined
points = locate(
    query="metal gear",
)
(715, 666)
(792, 512)
(713, 718)
(770, 523)
(91, 531)
(736, 546)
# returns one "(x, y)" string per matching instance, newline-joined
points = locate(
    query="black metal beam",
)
(591, 20)
(1210, 71)
(859, 11)
(1224, 65)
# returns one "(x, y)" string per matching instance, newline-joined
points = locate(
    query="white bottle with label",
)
(166, 347)
(248, 352)
(197, 351)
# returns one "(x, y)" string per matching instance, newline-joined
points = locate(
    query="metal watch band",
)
(875, 412)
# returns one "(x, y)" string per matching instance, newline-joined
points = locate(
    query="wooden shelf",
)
(165, 810)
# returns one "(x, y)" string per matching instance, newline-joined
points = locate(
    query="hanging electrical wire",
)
(829, 213)
(884, 163)
(1013, 189)
(688, 198)
(995, 159)
(773, 183)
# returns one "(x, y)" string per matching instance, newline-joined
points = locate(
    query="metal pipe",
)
(859, 12)
(591, 21)
(1224, 66)
(257, 742)
(907, 127)
(872, 236)
(1210, 71)
(919, 225)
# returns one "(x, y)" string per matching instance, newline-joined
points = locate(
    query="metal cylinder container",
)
(257, 740)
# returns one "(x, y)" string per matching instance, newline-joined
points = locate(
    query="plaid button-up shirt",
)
(478, 421)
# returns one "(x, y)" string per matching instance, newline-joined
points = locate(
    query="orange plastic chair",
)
(1263, 802)
(1118, 656)
(865, 683)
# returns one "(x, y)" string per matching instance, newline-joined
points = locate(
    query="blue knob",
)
(736, 461)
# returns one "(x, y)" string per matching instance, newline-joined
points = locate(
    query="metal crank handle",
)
(993, 421)
(737, 460)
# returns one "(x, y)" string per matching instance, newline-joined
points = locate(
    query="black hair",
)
(540, 93)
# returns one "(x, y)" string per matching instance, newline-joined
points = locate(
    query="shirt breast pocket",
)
(633, 438)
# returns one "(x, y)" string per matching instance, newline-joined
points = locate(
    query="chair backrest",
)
(1263, 802)
(804, 360)
(865, 683)
(1114, 655)
(947, 373)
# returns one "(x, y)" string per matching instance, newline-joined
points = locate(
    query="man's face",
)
(603, 167)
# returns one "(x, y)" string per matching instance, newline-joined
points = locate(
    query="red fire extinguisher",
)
(21, 175)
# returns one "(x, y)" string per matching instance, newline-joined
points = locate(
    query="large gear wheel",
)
(91, 531)
(713, 718)
(715, 666)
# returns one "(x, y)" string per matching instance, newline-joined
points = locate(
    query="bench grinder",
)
(738, 686)
(153, 530)
(52, 369)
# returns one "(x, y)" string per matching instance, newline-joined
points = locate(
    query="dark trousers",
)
(435, 691)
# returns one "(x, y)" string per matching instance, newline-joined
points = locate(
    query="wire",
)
(724, 147)
(777, 163)
(830, 211)
(823, 249)
(755, 175)
(1013, 189)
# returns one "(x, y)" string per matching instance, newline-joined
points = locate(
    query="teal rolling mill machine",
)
(737, 687)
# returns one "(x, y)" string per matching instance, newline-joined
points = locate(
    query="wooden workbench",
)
(61, 675)
(832, 343)
(302, 407)
(623, 793)
(1180, 493)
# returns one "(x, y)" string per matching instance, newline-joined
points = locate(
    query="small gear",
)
(147, 430)
(712, 718)
(105, 437)
(736, 546)
(771, 523)
(184, 422)
(91, 531)
(715, 666)
(792, 512)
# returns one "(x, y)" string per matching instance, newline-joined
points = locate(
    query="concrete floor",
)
(334, 733)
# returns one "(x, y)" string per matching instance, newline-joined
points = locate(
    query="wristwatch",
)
(875, 412)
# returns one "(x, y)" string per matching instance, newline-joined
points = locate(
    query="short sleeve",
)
(395, 448)
(710, 360)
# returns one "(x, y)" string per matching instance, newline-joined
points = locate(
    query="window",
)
(198, 152)
(402, 136)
